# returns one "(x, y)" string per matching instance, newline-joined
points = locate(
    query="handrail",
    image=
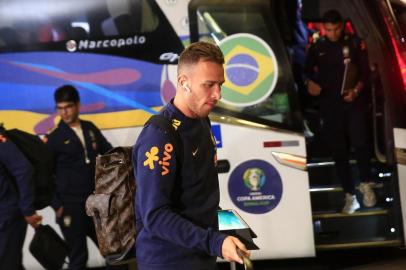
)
(379, 155)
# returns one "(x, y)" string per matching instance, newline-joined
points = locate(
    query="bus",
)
(122, 57)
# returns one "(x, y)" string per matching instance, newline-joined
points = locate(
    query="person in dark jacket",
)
(75, 144)
(176, 204)
(337, 70)
(16, 204)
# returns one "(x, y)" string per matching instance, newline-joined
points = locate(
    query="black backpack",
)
(112, 204)
(41, 159)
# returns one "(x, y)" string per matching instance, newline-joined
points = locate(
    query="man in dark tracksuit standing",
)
(16, 204)
(343, 108)
(176, 203)
(75, 144)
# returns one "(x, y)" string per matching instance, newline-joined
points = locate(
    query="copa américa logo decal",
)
(251, 70)
(255, 186)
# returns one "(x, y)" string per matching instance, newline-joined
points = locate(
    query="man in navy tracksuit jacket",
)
(75, 144)
(176, 204)
(16, 203)
(343, 106)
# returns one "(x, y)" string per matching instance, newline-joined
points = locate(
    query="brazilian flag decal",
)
(251, 70)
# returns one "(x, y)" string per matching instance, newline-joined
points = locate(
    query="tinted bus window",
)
(57, 20)
(111, 51)
(399, 10)
(245, 68)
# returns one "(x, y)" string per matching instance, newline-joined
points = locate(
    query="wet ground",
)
(353, 259)
(350, 259)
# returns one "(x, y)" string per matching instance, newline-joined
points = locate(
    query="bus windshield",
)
(259, 83)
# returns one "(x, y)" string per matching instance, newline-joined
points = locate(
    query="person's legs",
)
(341, 155)
(342, 166)
(73, 229)
(359, 139)
(358, 132)
(335, 126)
(12, 236)
(91, 231)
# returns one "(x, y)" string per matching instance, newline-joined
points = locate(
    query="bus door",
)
(393, 14)
(374, 22)
(257, 126)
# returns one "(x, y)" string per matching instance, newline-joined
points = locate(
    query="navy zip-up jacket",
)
(13, 164)
(325, 66)
(74, 180)
(176, 204)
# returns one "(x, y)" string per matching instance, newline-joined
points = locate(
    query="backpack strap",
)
(165, 124)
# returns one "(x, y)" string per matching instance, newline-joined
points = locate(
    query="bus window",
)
(52, 21)
(317, 30)
(399, 10)
(220, 23)
(396, 27)
(110, 50)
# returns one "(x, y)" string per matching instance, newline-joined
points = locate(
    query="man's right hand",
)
(313, 88)
(229, 249)
(59, 212)
(34, 220)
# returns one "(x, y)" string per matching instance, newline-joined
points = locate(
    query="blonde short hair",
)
(200, 51)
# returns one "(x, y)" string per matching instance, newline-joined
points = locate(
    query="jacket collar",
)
(176, 114)
(63, 125)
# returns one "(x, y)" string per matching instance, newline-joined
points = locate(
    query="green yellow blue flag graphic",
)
(251, 70)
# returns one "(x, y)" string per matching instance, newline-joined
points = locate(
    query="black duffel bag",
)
(48, 248)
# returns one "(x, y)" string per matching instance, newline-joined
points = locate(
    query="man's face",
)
(68, 111)
(204, 80)
(333, 31)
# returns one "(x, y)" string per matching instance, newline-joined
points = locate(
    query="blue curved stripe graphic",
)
(107, 93)
(24, 87)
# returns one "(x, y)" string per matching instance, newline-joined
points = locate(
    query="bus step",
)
(360, 244)
(323, 172)
(336, 188)
(362, 226)
(358, 213)
(331, 198)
